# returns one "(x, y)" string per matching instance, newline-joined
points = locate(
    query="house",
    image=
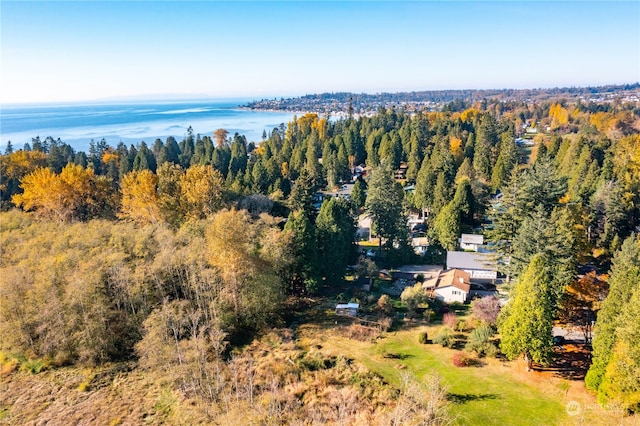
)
(401, 173)
(347, 309)
(471, 241)
(452, 285)
(363, 232)
(420, 245)
(482, 267)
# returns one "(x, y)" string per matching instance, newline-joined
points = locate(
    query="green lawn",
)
(491, 394)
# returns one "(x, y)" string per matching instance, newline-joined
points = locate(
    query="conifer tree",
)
(623, 283)
(525, 324)
(384, 204)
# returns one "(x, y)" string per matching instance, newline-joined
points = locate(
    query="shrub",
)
(461, 325)
(491, 350)
(444, 338)
(385, 305)
(462, 359)
(385, 323)
(429, 315)
(480, 341)
(34, 366)
(486, 309)
(449, 319)
(423, 338)
(437, 306)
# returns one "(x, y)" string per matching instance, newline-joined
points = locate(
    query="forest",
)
(180, 256)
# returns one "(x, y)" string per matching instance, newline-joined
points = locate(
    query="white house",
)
(471, 241)
(481, 267)
(420, 245)
(363, 232)
(347, 309)
(452, 285)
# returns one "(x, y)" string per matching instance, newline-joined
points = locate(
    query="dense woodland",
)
(176, 253)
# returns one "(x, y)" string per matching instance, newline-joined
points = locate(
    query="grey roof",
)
(470, 260)
(472, 239)
(347, 306)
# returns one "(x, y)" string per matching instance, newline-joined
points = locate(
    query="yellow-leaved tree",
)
(201, 191)
(75, 194)
(140, 201)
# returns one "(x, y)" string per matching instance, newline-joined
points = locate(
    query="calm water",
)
(132, 122)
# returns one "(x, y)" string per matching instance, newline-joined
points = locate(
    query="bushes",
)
(423, 338)
(480, 341)
(445, 338)
(486, 309)
(461, 325)
(449, 319)
(463, 359)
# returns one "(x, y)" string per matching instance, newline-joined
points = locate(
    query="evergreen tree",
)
(446, 226)
(238, 160)
(621, 381)
(220, 159)
(526, 322)
(259, 176)
(335, 231)
(624, 281)
(171, 151)
(304, 267)
(506, 161)
(541, 185)
(358, 196)
(384, 204)
(303, 194)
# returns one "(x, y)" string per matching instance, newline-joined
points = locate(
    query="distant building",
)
(471, 241)
(420, 245)
(347, 309)
(480, 266)
(363, 232)
(452, 285)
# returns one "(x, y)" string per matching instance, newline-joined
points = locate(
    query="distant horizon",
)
(60, 51)
(175, 98)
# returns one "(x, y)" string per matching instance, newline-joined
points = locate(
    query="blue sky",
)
(87, 50)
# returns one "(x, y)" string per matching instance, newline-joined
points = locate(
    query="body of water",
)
(131, 123)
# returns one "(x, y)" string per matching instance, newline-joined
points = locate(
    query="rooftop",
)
(470, 260)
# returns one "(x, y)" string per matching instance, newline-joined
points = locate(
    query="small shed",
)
(471, 241)
(347, 309)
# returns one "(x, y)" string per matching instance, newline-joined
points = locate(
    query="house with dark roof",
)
(481, 267)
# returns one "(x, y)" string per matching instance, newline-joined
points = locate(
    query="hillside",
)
(322, 373)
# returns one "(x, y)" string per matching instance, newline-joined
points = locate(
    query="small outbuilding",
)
(471, 241)
(347, 309)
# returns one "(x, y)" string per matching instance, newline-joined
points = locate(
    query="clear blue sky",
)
(87, 50)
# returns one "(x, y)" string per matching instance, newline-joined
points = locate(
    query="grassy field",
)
(497, 392)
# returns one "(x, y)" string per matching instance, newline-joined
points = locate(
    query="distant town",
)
(345, 103)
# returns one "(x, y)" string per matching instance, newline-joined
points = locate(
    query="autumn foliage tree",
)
(74, 194)
(140, 201)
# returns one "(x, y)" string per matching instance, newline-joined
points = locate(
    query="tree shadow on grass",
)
(463, 398)
(570, 361)
(394, 355)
